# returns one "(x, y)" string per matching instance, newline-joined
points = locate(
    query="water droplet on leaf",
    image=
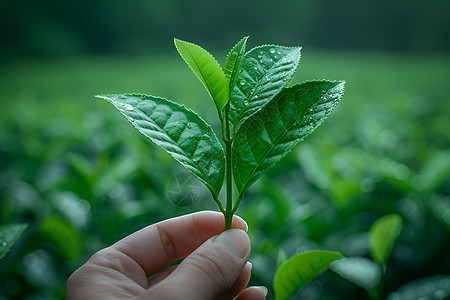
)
(272, 50)
(128, 107)
(3, 244)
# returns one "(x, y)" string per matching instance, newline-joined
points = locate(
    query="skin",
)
(215, 265)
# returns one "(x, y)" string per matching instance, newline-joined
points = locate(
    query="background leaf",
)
(301, 269)
(265, 71)
(207, 70)
(432, 288)
(360, 270)
(382, 236)
(8, 236)
(266, 137)
(179, 131)
(62, 235)
(233, 62)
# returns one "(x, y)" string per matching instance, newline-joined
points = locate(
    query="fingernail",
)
(264, 290)
(237, 218)
(236, 241)
(249, 265)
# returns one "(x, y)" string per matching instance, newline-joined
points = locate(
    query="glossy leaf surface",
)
(179, 131)
(207, 70)
(8, 236)
(270, 134)
(299, 270)
(382, 236)
(265, 71)
(233, 62)
(360, 270)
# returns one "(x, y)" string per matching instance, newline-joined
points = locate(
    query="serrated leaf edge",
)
(286, 90)
(241, 121)
(202, 80)
(105, 97)
(244, 38)
(307, 252)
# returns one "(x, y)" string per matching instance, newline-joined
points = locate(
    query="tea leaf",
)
(66, 238)
(207, 70)
(265, 71)
(9, 235)
(270, 134)
(233, 62)
(360, 270)
(299, 270)
(382, 236)
(179, 131)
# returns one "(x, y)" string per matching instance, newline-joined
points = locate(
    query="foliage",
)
(382, 235)
(9, 235)
(66, 157)
(261, 120)
(300, 270)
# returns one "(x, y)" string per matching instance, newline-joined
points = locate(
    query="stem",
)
(238, 200)
(218, 202)
(380, 288)
(229, 176)
(373, 294)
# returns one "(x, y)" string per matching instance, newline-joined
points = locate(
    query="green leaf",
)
(432, 288)
(382, 236)
(179, 131)
(268, 136)
(207, 70)
(360, 270)
(233, 62)
(265, 71)
(65, 237)
(9, 235)
(301, 269)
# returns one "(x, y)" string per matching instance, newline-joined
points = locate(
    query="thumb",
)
(209, 271)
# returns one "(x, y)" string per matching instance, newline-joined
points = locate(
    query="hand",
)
(215, 266)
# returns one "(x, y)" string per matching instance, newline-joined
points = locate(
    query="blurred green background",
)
(82, 178)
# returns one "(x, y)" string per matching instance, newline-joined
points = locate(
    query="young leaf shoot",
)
(261, 118)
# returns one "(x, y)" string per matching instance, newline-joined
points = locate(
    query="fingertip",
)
(238, 222)
(253, 293)
(263, 289)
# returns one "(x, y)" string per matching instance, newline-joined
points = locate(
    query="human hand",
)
(215, 266)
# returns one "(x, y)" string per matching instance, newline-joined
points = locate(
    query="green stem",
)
(218, 202)
(373, 294)
(229, 176)
(380, 288)
(229, 212)
(238, 200)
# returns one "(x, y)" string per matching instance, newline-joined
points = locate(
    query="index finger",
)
(155, 246)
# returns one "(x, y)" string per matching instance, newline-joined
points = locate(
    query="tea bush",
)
(82, 178)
